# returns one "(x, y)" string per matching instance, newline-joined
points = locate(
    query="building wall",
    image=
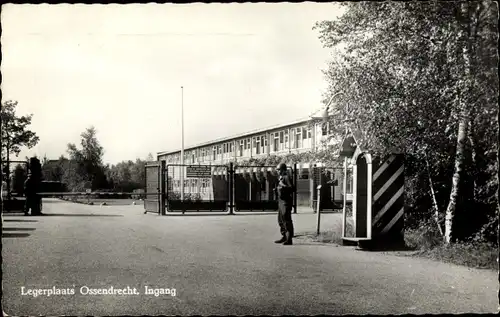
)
(295, 138)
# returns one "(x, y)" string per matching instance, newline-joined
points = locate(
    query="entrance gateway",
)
(212, 188)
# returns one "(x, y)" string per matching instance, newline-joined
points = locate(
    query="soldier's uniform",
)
(31, 188)
(29, 192)
(285, 202)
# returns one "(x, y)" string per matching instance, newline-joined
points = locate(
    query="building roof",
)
(245, 134)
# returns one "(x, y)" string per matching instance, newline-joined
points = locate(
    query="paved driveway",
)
(218, 265)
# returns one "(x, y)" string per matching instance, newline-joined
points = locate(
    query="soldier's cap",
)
(281, 167)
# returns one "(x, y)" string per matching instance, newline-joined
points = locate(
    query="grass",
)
(328, 236)
(477, 255)
(426, 244)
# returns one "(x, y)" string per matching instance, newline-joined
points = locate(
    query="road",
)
(218, 265)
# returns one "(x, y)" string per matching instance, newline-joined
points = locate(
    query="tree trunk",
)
(470, 135)
(463, 124)
(434, 200)
(459, 161)
(498, 197)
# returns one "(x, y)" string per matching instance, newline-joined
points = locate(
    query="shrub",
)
(424, 237)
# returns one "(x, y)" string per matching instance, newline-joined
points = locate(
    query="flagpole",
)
(182, 143)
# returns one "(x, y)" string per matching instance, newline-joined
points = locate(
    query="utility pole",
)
(182, 143)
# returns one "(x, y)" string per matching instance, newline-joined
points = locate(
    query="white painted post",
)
(318, 210)
(344, 189)
(370, 197)
(354, 197)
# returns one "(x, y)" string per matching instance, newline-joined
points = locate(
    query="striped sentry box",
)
(388, 196)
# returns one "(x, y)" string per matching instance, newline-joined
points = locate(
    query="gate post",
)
(295, 188)
(231, 188)
(162, 188)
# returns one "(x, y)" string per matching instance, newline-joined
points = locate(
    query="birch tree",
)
(412, 74)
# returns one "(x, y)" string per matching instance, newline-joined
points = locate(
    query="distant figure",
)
(32, 188)
(32, 200)
(285, 201)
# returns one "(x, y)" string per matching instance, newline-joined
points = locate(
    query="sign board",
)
(199, 171)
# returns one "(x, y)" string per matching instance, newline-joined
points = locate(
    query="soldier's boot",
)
(288, 239)
(283, 239)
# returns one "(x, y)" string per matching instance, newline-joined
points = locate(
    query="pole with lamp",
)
(346, 168)
(325, 118)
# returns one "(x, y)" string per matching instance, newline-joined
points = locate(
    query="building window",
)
(298, 138)
(231, 147)
(242, 146)
(276, 142)
(214, 151)
(219, 149)
(247, 144)
(309, 133)
(304, 133)
(287, 141)
(257, 145)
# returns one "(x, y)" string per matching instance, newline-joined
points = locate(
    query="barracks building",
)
(294, 137)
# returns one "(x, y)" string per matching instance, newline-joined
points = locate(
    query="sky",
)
(120, 68)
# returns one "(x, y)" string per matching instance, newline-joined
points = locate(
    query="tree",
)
(128, 175)
(87, 169)
(18, 178)
(53, 170)
(15, 133)
(138, 173)
(422, 77)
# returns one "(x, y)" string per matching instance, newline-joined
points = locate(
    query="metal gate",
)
(255, 188)
(153, 198)
(198, 187)
(331, 180)
(220, 188)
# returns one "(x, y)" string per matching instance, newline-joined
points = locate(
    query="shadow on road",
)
(79, 215)
(12, 214)
(196, 214)
(18, 229)
(15, 235)
(20, 220)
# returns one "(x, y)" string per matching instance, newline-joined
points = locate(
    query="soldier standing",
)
(32, 187)
(285, 202)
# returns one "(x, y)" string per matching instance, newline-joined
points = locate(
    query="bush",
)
(423, 237)
(196, 197)
(475, 252)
